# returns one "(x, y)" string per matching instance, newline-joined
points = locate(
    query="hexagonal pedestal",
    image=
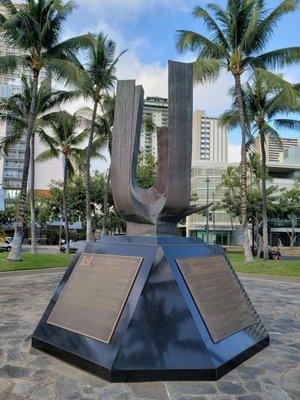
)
(163, 332)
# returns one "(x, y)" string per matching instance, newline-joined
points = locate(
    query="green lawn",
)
(42, 261)
(279, 268)
(34, 261)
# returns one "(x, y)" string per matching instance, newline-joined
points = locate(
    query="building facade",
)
(275, 147)
(210, 140)
(156, 110)
(205, 187)
(209, 163)
(224, 230)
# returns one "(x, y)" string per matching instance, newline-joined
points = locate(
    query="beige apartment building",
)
(210, 140)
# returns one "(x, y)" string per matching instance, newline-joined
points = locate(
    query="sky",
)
(147, 30)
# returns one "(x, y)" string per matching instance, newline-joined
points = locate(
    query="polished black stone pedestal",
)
(161, 334)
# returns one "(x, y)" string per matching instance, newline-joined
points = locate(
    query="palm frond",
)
(47, 155)
(275, 81)
(277, 58)
(9, 64)
(212, 25)
(9, 6)
(229, 119)
(71, 75)
(292, 124)
(206, 70)
(70, 46)
(267, 25)
(193, 41)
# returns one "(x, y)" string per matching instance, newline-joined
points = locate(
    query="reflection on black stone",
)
(161, 323)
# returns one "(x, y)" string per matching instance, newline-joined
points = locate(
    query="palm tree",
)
(34, 28)
(64, 141)
(92, 80)
(230, 182)
(102, 138)
(15, 111)
(239, 34)
(264, 104)
(108, 107)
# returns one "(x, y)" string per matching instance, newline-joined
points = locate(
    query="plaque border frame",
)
(123, 304)
(234, 276)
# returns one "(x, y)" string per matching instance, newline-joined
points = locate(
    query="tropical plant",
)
(231, 199)
(52, 204)
(265, 106)
(288, 208)
(108, 108)
(34, 28)
(64, 141)
(146, 170)
(92, 80)
(239, 34)
(148, 124)
(103, 134)
(230, 182)
(15, 110)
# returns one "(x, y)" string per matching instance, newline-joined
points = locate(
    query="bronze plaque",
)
(94, 297)
(217, 295)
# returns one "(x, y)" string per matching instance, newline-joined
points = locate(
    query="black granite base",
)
(160, 335)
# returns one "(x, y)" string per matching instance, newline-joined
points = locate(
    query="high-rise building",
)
(275, 147)
(11, 165)
(210, 140)
(156, 112)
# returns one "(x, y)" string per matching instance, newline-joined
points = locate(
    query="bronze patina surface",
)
(156, 210)
(95, 295)
(217, 295)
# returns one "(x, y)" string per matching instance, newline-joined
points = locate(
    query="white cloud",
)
(234, 153)
(153, 76)
(213, 97)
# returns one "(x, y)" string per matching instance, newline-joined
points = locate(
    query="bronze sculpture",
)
(154, 211)
(140, 308)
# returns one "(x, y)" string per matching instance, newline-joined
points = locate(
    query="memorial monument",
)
(150, 305)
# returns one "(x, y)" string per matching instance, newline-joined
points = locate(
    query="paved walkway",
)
(273, 374)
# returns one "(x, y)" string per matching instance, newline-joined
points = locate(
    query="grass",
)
(34, 261)
(272, 267)
(44, 261)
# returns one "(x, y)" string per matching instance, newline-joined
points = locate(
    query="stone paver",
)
(273, 374)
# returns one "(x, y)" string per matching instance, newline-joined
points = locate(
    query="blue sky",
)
(147, 28)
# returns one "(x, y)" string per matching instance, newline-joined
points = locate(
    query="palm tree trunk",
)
(65, 205)
(244, 129)
(264, 196)
(32, 195)
(232, 230)
(14, 254)
(260, 245)
(89, 229)
(292, 236)
(105, 204)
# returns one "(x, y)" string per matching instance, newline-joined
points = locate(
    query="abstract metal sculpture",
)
(157, 210)
(134, 308)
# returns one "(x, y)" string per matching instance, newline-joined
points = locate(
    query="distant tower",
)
(210, 140)
(155, 110)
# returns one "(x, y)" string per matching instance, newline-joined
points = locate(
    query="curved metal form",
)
(156, 210)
